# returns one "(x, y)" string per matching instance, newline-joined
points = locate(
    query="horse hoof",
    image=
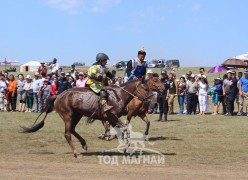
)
(79, 156)
(85, 147)
(112, 137)
(101, 136)
(146, 138)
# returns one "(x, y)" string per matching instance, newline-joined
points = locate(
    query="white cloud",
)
(65, 5)
(196, 7)
(142, 18)
(103, 5)
(73, 6)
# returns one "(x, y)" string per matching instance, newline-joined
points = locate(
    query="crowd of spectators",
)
(193, 92)
(30, 93)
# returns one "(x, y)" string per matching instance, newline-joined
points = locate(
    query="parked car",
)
(156, 63)
(79, 63)
(11, 69)
(121, 65)
(173, 63)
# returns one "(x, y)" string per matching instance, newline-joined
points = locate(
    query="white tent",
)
(242, 56)
(31, 66)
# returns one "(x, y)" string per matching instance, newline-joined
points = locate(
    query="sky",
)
(197, 32)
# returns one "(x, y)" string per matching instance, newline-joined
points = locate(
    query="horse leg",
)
(74, 122)
(102, 136)
(125, 137)
(106, 136)
(145, 119)
(126, 140)
(129, 117)
(67, 120)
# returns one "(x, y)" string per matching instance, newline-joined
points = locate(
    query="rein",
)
(143, 99)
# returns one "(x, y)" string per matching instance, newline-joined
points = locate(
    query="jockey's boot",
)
(105, 106)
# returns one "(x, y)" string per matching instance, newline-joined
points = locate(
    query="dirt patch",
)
(68, 170)
(194, 148)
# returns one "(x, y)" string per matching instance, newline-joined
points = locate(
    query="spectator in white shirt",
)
(37, 85)
(118, 81)
(54, 66)
(73, 71)
(202, 73)
(3, 86)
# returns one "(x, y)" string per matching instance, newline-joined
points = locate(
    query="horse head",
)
(157, 88)
(136, 89)
(156, 85)
(142, 91)
(160, 86)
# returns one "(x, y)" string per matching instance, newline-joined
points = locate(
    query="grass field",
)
(195, 147)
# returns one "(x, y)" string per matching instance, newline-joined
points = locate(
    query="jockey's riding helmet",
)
(101, 56)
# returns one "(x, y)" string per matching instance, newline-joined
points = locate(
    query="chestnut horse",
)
(136, 107)
(139, 108)
(75, 103)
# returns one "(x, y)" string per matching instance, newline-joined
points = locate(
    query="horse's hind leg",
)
(74, 122)
(67, 120)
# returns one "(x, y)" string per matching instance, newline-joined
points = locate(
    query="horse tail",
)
(47, 108)
(49, 105)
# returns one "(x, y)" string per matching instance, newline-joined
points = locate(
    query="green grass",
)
(189, 140)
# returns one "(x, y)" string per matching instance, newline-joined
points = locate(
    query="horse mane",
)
(129, 82)
(122, 84)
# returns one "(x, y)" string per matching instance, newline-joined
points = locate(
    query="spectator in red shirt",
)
(54, 86)
(42, 68)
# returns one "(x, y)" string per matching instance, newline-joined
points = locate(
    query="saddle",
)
(84, 89)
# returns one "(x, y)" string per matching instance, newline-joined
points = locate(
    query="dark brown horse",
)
(75, 103)
(136, 107)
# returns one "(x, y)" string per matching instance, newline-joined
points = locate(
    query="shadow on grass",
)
(169, 120)
(112, 153)
(173, 120)
(164, 138)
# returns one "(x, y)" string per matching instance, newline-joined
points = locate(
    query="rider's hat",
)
(142, 52)
(101, 56)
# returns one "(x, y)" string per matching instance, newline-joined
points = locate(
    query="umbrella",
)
(233, 62)
(217, 69)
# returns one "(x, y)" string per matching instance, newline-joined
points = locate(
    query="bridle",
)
(141, 99)
(156, 84)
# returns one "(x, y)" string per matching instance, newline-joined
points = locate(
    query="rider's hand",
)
(135, 78)
(98, 75)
